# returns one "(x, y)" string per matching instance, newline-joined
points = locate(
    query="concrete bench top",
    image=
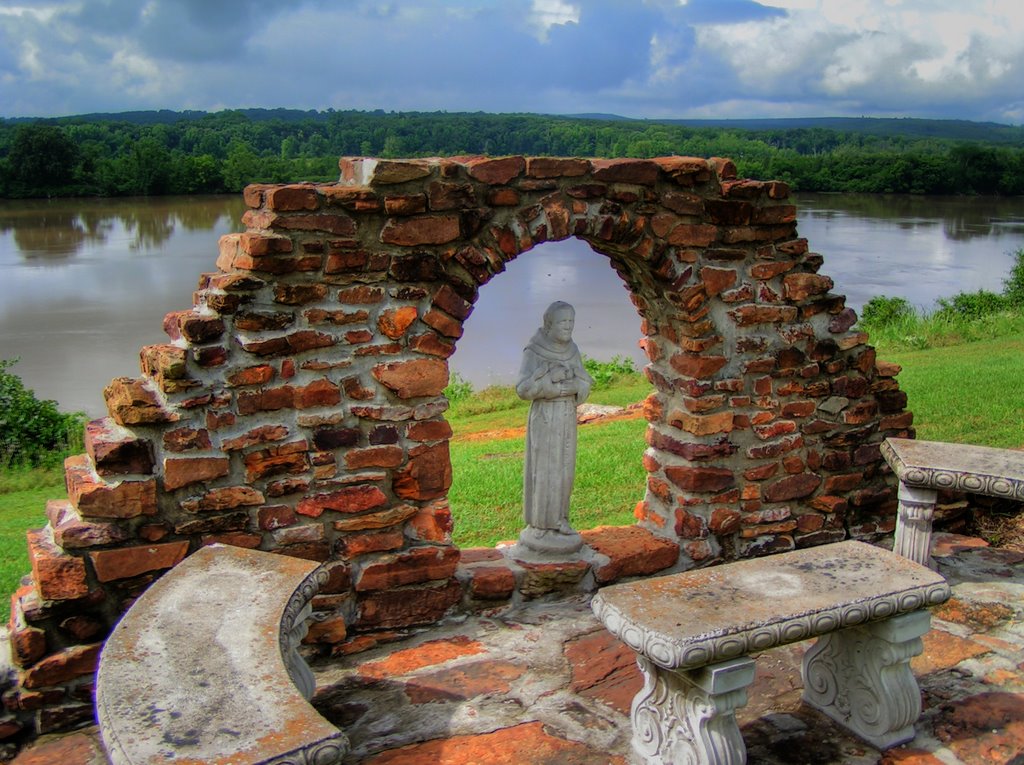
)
(960, 467)
(196, 670)
(709, 615)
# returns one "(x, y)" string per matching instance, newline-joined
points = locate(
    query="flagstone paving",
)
(546, 685)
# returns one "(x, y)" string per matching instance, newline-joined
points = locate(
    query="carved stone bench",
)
(203, 667)
(924, 467)
(693, 633)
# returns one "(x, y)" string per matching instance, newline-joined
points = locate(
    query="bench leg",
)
(914, 523)
(687, 716)
(861, 678)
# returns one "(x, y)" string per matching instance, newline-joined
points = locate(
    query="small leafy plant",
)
(32, 432)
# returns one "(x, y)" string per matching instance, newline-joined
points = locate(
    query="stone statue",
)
(553, 378)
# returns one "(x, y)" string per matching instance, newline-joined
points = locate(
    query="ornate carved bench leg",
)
(914, 523)
(687, 716)
(861, 678)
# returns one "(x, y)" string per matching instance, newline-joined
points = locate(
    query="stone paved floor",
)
(546, 685)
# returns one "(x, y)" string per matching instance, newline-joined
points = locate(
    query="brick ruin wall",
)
(298, 405)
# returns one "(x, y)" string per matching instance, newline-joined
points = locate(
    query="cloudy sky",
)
(638, 58)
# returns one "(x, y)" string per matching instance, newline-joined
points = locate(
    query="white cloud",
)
(545, 14)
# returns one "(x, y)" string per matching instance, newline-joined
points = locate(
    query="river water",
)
(84, 284)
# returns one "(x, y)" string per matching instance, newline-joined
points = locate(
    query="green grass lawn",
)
(971, 393)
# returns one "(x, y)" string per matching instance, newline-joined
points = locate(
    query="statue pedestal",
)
(546, 545)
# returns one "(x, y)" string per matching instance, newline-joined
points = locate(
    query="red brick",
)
(134, 401)
(63, 666)
(115, 450)
(493, 582)
(702, 425)
(413, 379)
(464, 682)
(693, 235)
(292, 198)
(421, 230)
(553, 167)
(700, 478)
(351, 499)
(378, 520)
(389, 609)
(427, 475)
(264, 245)
(791, 487)
(317, 393)
(421, 564)
(186, 439)
(395, 321)
(633, 551)
(802, 285)
(374, 456)
(603, 668)
(225, 498)
(183, 471)
(496, 171)
(643, 172)
(126, 562)
(443, 323)
(274, 460)
(354, 545)
(698, 366)
(525, 744)
(96, 498)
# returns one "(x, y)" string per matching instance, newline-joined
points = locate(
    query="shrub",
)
(32, 432)
(458, 388)
(606, 372)
(1013, 285)
(971, 305)
(882, 311)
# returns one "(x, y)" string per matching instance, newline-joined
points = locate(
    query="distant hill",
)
(956, 130)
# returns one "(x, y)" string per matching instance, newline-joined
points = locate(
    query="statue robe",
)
(550, 467)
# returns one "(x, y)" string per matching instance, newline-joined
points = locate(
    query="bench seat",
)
(693, 633)
(203, 667)
(925, 467)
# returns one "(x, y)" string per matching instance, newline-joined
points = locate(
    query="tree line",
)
(155, 153)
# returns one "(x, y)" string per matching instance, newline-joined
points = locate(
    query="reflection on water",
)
(63, 227)
(85, 283)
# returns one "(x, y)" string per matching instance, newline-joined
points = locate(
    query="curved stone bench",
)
(203, 667)
(693, 632)
(924, 467)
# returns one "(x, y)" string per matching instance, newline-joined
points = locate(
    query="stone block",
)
(349, 499)
(71, 531)
(63, 666)
(421, 230)
(94, 497)
(413, 379)
(418, 565)
(427, 474)
(115, 450)
(127, 562)
(632, 551)
(185, 471)
(407, 607)
(134, 401)
(491, 581)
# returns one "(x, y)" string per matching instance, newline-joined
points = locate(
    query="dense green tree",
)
(41, 157)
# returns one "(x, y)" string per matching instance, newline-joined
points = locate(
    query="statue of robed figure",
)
(552, 377)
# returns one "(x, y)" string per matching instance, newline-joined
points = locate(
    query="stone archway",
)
(298, 405)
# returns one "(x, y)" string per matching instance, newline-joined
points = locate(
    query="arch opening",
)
(487, 461)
